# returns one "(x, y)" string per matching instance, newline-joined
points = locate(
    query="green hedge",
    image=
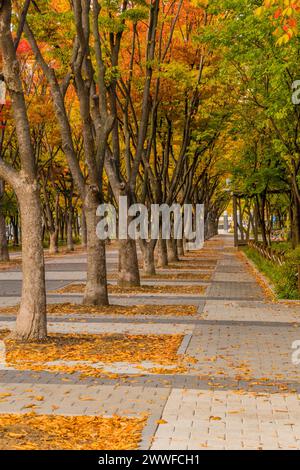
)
(284, 278)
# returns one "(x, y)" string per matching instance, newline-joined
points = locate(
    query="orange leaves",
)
(107, 348)
(48, 432)
(60, 6)
(159, 289)
(24, 47)
(277, 13)
(78, 309)
(292, 22)
(215, 418)
(285, 12)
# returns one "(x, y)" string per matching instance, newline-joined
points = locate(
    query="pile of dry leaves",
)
(53, 432)
(179, 289)
(68, 308)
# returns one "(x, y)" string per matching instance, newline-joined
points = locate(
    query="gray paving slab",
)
(240, 388)
(132, 328)
(229, 289)
(12, 288)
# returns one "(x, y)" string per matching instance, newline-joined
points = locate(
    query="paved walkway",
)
(241, 391)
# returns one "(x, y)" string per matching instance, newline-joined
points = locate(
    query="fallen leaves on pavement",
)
(51, 432)
(179, 289)
(191, 266)
(106, 348)
(258, 276)
(69, 308)
(179, 276)
(10, 265)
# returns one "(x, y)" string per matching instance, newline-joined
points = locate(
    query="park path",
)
(241, 391)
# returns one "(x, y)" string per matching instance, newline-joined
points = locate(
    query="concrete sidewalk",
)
(240, 392)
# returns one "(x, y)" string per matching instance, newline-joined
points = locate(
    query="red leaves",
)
(23, 47)
(277, 13)
(286, 14)
(292, 22)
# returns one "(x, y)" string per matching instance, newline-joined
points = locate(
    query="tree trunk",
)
(148, 258)
(261, 202)
(76, 226)
(53, 243)
(83, 229)
(180, 248)
(70, 242)
(15, 226)
(255, 224)
(162, 253)
(129, 275)
(96, 285)
(295, 225)
(172, 251)
(31, 319)
(4, 255)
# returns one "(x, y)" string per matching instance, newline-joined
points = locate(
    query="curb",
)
(269, 287)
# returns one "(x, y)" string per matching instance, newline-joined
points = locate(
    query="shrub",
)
(283, 277)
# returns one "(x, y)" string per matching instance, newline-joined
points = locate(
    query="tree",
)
(264, 74)
(4, 255)
(90, 187)
(31, 319)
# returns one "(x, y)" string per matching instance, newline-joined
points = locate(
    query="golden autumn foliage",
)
(108, 348)
(68, 308)
(48, 432)
(284, 16)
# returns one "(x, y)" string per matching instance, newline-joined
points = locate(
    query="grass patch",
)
(284, 278)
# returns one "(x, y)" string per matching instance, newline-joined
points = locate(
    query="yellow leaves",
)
(212, 359)
(4, 395)
(86, 398)
(16, 435)
(215, 418)
(30, 405)
(235, 412)
(161, 421)
(171, 310)
(284, 39)
(68, 308)
(200, 3)
(50, 432)
(285, 12)
(39, 398)
(60, 6)
(181, 276)
(160, 289)
(108, 348)
(5, 265)
(260, 11)
(259, 278)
